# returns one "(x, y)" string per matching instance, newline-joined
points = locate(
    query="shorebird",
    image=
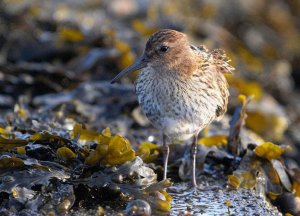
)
(181, 88)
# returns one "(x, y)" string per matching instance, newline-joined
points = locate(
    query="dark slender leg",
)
(193, 155)
(166, 151)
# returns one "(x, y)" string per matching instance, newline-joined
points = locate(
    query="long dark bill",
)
(138, 64)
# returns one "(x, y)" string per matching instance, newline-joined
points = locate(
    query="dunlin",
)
(181, 88)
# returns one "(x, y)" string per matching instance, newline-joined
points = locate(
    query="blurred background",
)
(53, 52)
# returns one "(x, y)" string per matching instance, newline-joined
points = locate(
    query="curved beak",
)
(140, 63)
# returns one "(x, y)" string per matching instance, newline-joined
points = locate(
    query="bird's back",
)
(216, 63)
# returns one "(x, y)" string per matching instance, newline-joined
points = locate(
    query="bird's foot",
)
(197, 187)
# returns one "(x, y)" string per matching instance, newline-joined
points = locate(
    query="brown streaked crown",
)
(165, 36)
(170, 49)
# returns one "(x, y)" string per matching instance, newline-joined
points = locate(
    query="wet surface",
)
(212, 198)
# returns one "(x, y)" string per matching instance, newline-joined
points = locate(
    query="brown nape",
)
(182, 61)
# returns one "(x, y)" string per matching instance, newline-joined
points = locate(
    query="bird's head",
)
(166, 51)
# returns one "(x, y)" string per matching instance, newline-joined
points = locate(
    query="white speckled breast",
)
(177, 107)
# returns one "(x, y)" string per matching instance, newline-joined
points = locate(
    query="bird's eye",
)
(163, 49)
